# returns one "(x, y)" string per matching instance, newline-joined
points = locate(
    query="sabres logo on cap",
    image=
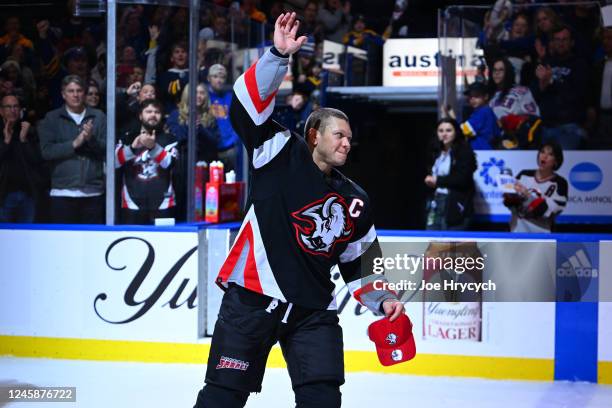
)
(391, 338)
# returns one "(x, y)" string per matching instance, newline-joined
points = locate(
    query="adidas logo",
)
(577, 265)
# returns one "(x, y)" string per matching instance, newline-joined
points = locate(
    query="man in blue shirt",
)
(220, 102)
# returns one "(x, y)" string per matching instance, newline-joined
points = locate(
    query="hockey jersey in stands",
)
(553, 190)
(147, 174)
(299, 222)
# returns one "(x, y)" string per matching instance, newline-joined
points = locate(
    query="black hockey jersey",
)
(300, 222)
(147, 175)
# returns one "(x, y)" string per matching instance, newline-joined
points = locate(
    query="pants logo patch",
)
(227, 362)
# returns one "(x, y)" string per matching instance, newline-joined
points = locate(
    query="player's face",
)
(150, 116)
(446, 133)
(546, 159)
(499, 71)
(333, 145)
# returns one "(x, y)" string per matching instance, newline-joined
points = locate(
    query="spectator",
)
(335, 19)
(540, 195)
(403, 22)
(13, 35)
(125, 67)
(98, 73)
(310, 26)
(509, 98)
(513, 105)
(20, 160)
(481, 128)
(73, 140)
(75, 62)
(294, 115)
(26, 90)
(26, 69)
(250, 9)
(128, 103)
(92, 97)
(207, 133)
(172, 82)
(452, 178)
(220, 102)
(518, 47)
(495, 20)
(360, 35)
(303, 62)
(600, 98)
(560, 91)
(219, 30)
(546, 20)
(137, 75)
(147, 155)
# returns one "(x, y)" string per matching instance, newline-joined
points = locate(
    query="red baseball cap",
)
(394, 340)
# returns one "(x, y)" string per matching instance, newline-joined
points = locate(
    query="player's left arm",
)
(367, 284)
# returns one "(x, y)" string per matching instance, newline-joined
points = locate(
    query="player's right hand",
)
(285, 30)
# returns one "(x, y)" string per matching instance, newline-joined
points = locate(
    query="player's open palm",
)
(285, 30)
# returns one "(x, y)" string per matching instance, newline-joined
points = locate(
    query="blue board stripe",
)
(576, 341)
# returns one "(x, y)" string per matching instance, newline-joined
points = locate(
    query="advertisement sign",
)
(589, 195)
(127, 285)
(416, 61)
(332, 52)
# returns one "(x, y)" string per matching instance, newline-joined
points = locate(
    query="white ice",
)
(118, 385)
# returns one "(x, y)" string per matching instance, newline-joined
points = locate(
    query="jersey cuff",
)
(276, 52)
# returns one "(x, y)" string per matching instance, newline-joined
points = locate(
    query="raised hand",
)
(148, 139)
(134, 88)
(8, 131)
(285, 30)
(23, 133)
(43, 28)
(87, 130)
(137, 143)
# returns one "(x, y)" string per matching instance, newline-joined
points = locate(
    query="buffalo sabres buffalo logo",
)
(391, 339)
(327, 223)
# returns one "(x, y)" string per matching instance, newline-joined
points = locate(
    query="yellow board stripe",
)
(604, 372)
(355, 361)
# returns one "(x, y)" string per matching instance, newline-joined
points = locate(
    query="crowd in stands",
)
(549, 78)
(53, 86)
(547, 71)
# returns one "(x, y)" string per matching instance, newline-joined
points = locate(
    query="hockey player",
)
(303, 218)
(541, 194)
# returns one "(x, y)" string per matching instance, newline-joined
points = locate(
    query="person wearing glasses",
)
(20, 162)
